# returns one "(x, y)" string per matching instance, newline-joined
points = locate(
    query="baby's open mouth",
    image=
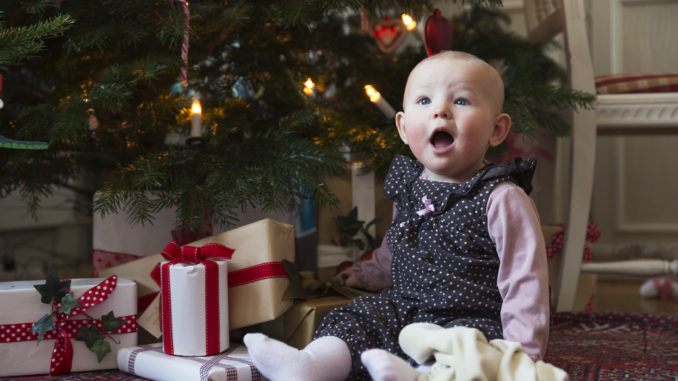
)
(442, 139)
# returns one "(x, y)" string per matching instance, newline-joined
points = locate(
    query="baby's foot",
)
(385, 366)
(324, 359)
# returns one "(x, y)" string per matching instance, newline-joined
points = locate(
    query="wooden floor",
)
(621, 295)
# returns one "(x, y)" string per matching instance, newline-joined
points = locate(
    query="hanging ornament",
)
(18, 144)
(364, 21)
(179, 87)
(184, 44)
(388, 33)
(438, 33)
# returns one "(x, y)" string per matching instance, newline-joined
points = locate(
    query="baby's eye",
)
(461, 102)
(424, 101)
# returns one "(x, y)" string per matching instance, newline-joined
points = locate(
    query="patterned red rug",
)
(615, 346)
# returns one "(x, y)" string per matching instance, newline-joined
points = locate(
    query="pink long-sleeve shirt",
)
(515, 228)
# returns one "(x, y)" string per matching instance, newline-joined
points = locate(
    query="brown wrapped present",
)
(297, 326)
(256, 276)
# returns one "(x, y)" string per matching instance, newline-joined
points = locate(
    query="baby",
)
(465, 242)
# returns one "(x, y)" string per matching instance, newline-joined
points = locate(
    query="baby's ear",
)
(400, 124)
(502, 126)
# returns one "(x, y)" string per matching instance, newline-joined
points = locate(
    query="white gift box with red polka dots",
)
(20, 307)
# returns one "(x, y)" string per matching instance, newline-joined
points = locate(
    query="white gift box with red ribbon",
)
(149, 361)
(60, 352)
(194, 299)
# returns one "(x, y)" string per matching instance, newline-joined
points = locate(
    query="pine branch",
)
(20, 43)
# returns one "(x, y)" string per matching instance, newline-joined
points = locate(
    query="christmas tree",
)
(112, 95)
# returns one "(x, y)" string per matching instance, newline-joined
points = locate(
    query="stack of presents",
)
(174, 315)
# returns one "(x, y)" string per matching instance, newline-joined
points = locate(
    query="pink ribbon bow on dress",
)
(428, 206)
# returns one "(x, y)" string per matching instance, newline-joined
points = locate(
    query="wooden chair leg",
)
(581, 190)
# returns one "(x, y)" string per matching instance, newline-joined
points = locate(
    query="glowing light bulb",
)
(195, 107)
(409, 22)
(372, 93)
(308, 87)
(196, 119)
(377, 100)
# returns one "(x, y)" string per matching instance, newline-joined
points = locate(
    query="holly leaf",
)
(111, 323)
(68, 302)
(101, 347)
(46, 323)
(53, 289)
(90, 335)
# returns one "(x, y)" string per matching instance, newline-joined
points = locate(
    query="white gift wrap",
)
(188, 305)
(20, 303)
(149, 361)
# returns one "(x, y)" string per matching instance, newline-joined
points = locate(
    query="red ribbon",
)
(62, 356)
(65, 327)
(194, 254)
(558, 240)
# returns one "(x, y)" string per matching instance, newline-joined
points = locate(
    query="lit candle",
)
(380, 102)
(196, 119)
(411, 25)
(409, 22)
(308, 87)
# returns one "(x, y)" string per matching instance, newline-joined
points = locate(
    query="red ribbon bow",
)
(192, 254)
(196, 254)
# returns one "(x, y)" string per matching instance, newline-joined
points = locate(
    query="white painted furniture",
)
(615, 114)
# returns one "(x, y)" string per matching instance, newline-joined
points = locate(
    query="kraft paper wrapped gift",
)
(257, 279)
(20, 307)
(149, 361)
(194, 293)
(297, 326)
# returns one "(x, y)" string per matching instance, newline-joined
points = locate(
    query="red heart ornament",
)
(438, 35)
(389, 34)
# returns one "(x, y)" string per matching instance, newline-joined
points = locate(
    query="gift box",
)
(149, 361)
(194, 299)
(297, 326)
(586, 286)
(114, 233)
(256, 277)
(22, 354)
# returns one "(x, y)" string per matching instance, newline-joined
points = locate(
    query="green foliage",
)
(68, 303)
(349, 226)
(22, 42)
(304, 285)
(53, 289)
(56, 291)
(100, 93)
(111, 323)
(46, 323)
(94, 341)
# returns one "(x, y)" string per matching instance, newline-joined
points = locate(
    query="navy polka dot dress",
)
(444, 262)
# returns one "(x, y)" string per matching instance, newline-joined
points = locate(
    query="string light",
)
(196, 119)
(409, 22)
(376, 98)
(308, 87)
(411, 25)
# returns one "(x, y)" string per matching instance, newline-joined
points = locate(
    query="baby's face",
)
(451, 106)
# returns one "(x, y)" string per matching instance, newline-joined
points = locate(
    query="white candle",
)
(196, 119)
(411, 25)
(379, 101)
